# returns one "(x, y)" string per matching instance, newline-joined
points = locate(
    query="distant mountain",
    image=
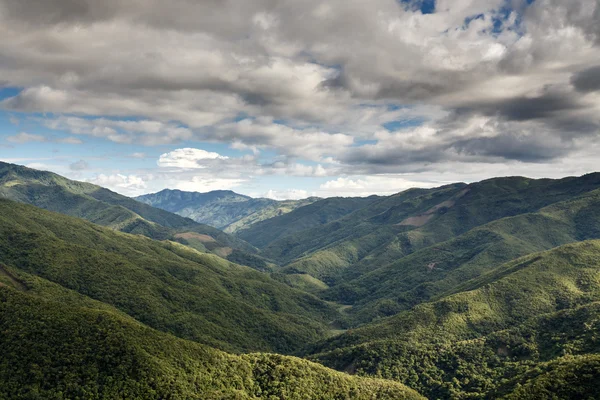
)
(525, 329)
(104, 207)
(222, 209)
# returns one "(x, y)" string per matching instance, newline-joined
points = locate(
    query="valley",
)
(481, 290)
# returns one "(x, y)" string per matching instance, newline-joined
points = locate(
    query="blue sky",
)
(352, 99)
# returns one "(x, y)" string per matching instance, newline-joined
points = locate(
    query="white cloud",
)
(367, 185)
(188, 158)
(202, 184)
(130, 185)
(289, 194)
(254, 76)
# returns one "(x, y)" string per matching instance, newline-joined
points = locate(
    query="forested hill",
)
(527, 329)
(165, 285)
(58, 345)
(104, 207)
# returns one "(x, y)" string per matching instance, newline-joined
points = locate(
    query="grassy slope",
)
(54, 350)
(79, 199)
(430, 272)
(163, 284)
(505, 327)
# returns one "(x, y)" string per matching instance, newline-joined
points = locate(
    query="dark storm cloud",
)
(587, 80)
(547, 105)
(512, 147)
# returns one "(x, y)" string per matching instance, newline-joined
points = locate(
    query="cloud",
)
(368, 185)
(24, 137)
(203, 184)
(289, 194)
(130, 185)
(147, 132)
(587, 80)
(188, 158)
(473, 83)
(79, 166)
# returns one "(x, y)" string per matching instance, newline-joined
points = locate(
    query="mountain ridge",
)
(223, 209)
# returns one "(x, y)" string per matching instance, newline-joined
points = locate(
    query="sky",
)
(289, 99)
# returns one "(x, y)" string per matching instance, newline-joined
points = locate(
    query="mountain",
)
(435, 270)
(54, 349)
(222, 209)
(527, 327)
(391, 228)
(104, 207)
(318, 213)
(165, 285)
(482, 290)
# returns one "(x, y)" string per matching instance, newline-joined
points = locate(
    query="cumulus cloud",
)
(131, 185)
(188, 158)
(353, 87)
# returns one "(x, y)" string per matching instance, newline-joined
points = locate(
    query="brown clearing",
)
(223, 251)
(422, 219)
(193, 235)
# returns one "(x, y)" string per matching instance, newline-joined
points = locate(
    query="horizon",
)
(323, 198)
(348, 100)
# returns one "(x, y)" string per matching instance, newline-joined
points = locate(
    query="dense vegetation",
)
(104, 207)
(444, 267)
(222, 209)
(524, 327)
(487, 290)
(162, 284)
(50, 350)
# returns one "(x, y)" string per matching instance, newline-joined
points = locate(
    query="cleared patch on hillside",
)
(6, 279)
(424, 218)
(223, 251)
(12, 183)
(198, 236)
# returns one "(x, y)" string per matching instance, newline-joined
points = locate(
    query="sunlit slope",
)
(502, 329)
(162, 284)
(53, 350)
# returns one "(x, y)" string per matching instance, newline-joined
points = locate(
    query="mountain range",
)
(222, 209)
(482, 290)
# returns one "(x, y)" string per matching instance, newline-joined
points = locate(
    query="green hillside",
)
(104, 207)
(162, 284)
(394, 227)
(52, 350)
(444, 267)
(508, 331)
(222, 209)
(316, 214)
